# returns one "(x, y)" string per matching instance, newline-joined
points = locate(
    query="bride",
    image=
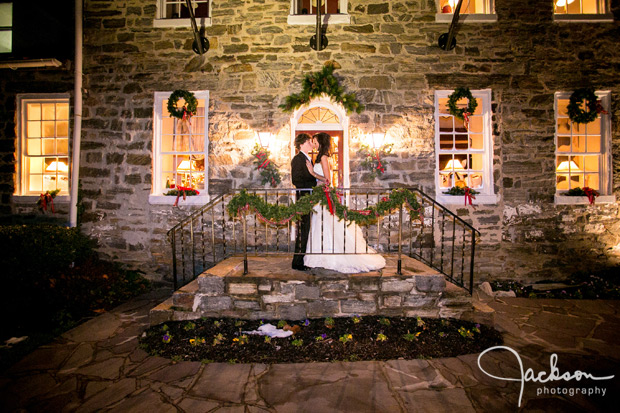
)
(328, 234)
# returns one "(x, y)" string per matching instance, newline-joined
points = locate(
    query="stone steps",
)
(272, 290)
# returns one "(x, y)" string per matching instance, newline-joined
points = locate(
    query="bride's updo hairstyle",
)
(300, 139)
(325, 144)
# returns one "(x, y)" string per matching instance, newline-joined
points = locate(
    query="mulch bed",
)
(350, 339)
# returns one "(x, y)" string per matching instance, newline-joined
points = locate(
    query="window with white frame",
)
(180, 149)
(174, 13)
(464, 153)
(471, 10)
(304, 11)
(6, 27)
(582, 10)
(43, 147)
(583, 155)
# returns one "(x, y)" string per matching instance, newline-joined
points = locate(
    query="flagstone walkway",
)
(99, 366)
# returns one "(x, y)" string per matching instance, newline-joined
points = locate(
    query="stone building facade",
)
(388, 56)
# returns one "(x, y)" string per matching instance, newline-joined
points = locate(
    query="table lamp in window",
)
(185, 168)
(568, 170)
(451, 168)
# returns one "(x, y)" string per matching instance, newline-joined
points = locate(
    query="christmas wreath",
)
(458, 94)
(280, 214)
(576, 113)
(188, 110)
(268, 170)
(373, 161)
(323, 82)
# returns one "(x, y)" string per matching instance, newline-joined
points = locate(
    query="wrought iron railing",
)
(440, 239)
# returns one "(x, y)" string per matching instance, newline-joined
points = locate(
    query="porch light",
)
(264, 138)
(56, 166)
(378, 139)
(563, 3)
(566, 166)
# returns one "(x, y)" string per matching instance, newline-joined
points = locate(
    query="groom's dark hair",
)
(301, 139)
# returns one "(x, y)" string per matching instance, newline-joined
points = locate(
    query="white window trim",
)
(310, 19)
(161, 21)
(486, 195)
(20, 186)
(158, 198)
(490, 17)
(605, 177)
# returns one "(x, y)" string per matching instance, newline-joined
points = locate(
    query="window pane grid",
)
(46, 146)
(177, 9)
(578, 7)
(579, 152)
(461, 149)
(303, 7)
(183, 149)
(468, 6)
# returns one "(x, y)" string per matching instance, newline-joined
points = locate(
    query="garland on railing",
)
(277, 215)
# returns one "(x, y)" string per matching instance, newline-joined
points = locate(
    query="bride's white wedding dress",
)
(328, 235)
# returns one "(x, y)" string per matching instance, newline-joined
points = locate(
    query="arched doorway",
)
(321, 115)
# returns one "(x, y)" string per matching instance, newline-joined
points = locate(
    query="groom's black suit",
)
(302, 179)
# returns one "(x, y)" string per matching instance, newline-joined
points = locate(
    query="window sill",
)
(200, 22)
(584, 18)
(466, 18)
(32, 199)
(583, 200)
(460, 199)
(169, 200)
(310, 19)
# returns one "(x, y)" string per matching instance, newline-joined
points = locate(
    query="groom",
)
(302, 179)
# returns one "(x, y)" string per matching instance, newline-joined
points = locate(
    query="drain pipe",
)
(77, 115)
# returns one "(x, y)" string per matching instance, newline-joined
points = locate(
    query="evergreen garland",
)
(277, 215)
(461, 190)
(318, 83)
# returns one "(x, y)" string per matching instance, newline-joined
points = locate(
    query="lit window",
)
(304, 11)
(6, 27)
(583, 156)
(582, 10)
(44, 145)
(180, 149)
(471, 10)
(174, 13)
(464, 154)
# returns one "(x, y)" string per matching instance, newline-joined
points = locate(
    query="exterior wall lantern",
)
(378, 139)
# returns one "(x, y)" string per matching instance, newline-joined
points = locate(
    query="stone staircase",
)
(272, 290)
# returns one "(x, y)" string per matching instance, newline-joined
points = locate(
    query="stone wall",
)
(389, 58)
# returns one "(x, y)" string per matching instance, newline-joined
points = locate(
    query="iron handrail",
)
(440, 251)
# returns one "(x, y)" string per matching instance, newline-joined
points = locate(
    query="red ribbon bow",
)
(187, 115)
(182, 192)
(590, 193)
(327, 191)
(45, 199)
(468, 196)
(599, 108)
(466, 116)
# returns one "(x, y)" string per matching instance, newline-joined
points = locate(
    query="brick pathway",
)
(99, 367)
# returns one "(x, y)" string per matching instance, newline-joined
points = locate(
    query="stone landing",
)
(272, 290)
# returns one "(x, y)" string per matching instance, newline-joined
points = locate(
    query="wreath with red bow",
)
(464, 114)
(593, 106)
(188, 110)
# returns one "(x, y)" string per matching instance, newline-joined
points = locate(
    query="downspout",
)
(77, 115)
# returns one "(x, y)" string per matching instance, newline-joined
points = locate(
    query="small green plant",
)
(384, 321)
(241, 340)
(267, 339)
(239, 323)
(411, 336)
(282, 323)
(356, 319)
(232, 361)
(381, 337)
(207, 361)
(165, 328)
(217, 323)
(189, 326)
(329, 322)
(420, 322)
(197, 341)
(345, 338)
(167, 338)
(218, 339)
(476, 328)
(466, 333)
(445, 323)
(176, 358)
(297, 342)
(442, 334)
(321, 337)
